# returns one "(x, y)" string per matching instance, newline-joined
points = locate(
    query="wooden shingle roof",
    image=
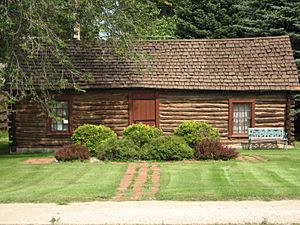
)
(223, 64)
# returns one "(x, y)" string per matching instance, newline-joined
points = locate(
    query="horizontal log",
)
(169, 102)
(269, 119)
(193, 110)
(101, 95)
(108, 102)
(201, 104)
(100, 107)
(266, 97)
(79, 119)
(270, 107)
(270, 115)
(191, 113)
(202, 117)
(100, 121)
(270, 124)
(32, 125)
(101, 113)
(30, 119)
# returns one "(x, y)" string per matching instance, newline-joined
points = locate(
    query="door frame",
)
(130, 105)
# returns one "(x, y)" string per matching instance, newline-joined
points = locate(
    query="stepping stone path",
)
(140, 182)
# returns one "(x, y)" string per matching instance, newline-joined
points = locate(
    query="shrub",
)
(213, 149)
(141, 134)
(167, 148)
(71, 152)
(119, 149)
(194, 132)
(91, 136)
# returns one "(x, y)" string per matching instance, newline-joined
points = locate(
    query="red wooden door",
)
(143, 108)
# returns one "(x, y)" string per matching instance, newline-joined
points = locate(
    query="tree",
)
(152, 19)
(272, 18)
(206, 18)
(40, 30)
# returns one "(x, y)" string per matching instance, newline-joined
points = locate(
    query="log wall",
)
(271, 110)
(110, 108)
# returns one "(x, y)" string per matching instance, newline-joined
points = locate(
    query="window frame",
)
(231, 109)
(69, 100)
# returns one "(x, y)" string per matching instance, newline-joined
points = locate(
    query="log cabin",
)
(232, 84)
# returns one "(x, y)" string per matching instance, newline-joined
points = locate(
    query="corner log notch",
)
(289, 119)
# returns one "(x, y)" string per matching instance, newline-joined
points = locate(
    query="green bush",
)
(119, 149)
(141, 134)
(194, 132)
(91, 136)
(167, 148)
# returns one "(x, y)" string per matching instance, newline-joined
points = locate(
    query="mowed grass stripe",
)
(58, 182)
(277, 178)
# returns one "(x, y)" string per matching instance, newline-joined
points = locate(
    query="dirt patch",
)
(39, 161)
(260, 158)
(240, 158)
(119, 163)
(252, 158)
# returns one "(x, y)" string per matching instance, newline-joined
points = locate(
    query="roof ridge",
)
(193, 40)
(218, 39)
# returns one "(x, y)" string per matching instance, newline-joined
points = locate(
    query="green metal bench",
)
(266, 134)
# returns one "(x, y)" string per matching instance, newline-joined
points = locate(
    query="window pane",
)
(241, 117)
(61, 123)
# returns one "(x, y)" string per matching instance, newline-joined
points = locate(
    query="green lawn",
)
(58, 182)
(3, 142)
(277, 178)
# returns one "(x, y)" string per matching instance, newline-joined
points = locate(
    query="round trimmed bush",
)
(141, 134)
(119, 149)
(167, 148)
(92, 136)
(194, 132)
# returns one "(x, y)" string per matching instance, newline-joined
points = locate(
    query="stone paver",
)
(134, 182)
(126, 181)
(153, 212)
(155, 180)
(140, 182)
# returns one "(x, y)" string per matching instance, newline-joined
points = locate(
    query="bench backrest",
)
(266, 133)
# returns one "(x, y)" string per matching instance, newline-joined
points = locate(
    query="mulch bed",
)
(39, 161)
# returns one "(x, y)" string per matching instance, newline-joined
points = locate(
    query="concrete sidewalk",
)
(153, 212)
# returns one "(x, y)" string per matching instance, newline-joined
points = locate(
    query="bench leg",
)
(285, 145)
(249, 145)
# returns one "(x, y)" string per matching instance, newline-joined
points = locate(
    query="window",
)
(241, 117)
(62, 123)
